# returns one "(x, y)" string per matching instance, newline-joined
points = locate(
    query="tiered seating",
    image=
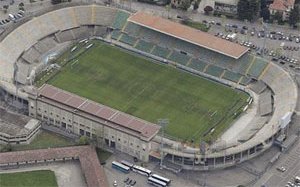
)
(64, 36)
(161, 52)
(245, 81)
(120, 19)
(23, 71)
(179, 57)
(80, 32)
(258, 67)
(265, 103)
(197, 65)
(103, 15)
(83, 15)
(100, 31)
(115, 34)
(243, 64)
(45, 45)
(149, 34)
(258, 87)
(127, 39)
(132, 29)
(31, 55)
(214, 71)
(144, 46)
(234, 77)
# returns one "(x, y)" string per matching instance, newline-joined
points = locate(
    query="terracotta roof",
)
(282, 5)
(92, 170)
(188, 34)
(141, 128)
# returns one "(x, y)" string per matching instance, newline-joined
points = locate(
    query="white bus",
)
(141, 170)
(120, 167)
(156, 182)
(126, 163)
(163, 179)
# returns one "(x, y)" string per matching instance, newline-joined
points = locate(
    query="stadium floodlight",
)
(163, 123)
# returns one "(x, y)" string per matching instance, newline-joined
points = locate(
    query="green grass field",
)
(151, 91)
(45, 140)
(40, 178)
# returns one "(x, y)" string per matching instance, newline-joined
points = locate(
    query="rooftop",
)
(282, 5)
(140, 127)
(92, 170)
(188, 34)
(15, 124)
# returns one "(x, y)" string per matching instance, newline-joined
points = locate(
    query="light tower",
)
(163, 123)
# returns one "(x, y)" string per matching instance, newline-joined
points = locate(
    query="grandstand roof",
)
(188, 34)
(120, 120)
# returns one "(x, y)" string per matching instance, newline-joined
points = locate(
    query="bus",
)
(163, 179)
(297, 179)
(156, 182)
(128, 164)
(141, 170)
(120, 167)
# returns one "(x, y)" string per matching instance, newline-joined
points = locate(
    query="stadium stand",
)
(127, 39)
(214, 70)
(178, 57)
(197, 65)
(115, 34)
(245, 81)
(64, 36)
(243, 64)
(132, 29)
(161, 51)
(80, 32)
(257, 67)
(103, 16)
(83, 15)
(31, 55)
(100, 31)
(258, 87)
(265, 103)
(232, 76)
(144, 46)
(45, 45)
(255, 125)
(120, 20)
(23, 72)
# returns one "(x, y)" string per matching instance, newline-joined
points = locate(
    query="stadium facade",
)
(202, 55)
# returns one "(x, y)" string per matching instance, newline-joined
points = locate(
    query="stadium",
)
(111, 75)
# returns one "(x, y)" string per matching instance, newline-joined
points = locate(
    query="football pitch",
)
(39, 178)
(196, 108)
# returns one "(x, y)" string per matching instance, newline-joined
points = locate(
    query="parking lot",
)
(278, 177)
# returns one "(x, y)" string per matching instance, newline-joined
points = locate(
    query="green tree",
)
(278, 17)
(196, 4)
(265, 14)
(185, 4)
(208, 9)
(294, 16)
(248, 9)
(83, 140)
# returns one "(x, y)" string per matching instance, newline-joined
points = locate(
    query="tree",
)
(185, 4)
(83, 140)
(5, 8)
(265, 14)
(54, 2)
(196, 4)
(278, 17)
(208, 9)
(248, 9)
(294, 16)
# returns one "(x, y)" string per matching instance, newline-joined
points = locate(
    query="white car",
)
(282, 169)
